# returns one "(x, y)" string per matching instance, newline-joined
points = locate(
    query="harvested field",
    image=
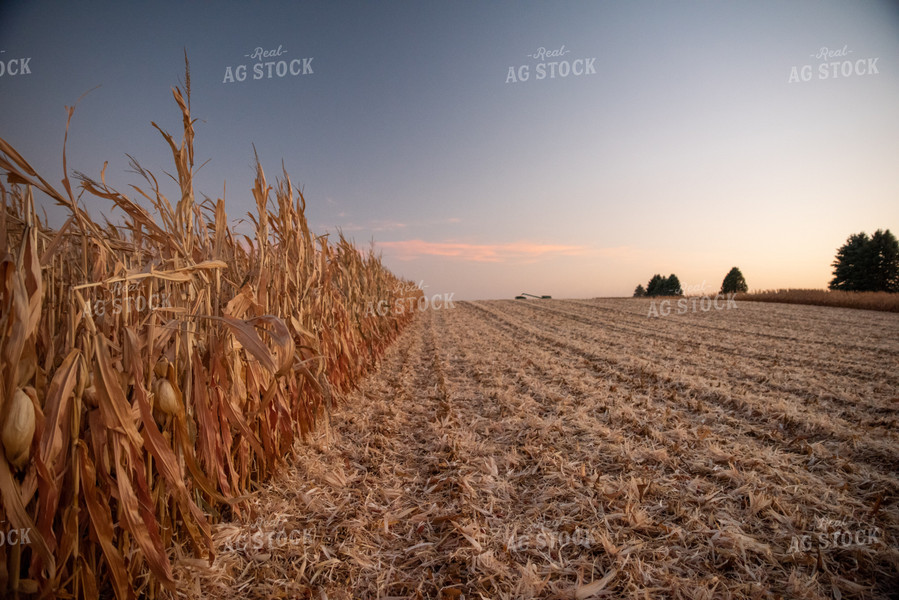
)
(574, 449)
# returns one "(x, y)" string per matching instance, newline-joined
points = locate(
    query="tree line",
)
(863, 264)
(867, 264)
(670, 286)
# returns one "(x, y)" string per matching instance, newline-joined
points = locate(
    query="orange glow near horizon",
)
(520, 251)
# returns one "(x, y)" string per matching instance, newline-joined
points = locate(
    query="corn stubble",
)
(578, 449)
(127, 434)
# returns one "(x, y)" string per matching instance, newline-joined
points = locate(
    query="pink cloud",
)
(527, 251)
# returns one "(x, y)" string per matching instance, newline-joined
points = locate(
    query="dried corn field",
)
(575, 449)
(157, 367)
(866, 300)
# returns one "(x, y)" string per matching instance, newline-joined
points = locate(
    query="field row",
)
(558, 449)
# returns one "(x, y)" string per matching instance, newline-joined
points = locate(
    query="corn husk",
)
(167, 399)
(18, 429)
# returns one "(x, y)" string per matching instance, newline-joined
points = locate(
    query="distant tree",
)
(867, 264)
(672, 286)
(734, 282)
(849, 266)
(883, 256)
(663, 286)
(654, 287)
(639, 292)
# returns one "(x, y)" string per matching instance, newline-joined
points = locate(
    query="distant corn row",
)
(865, 300)
(154, 372)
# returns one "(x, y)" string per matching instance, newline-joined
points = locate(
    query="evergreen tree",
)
(867, 264)
(654, 287)
(734, 282)
(883, 262)
(849, 265)
(639, 292)
(672, 286)
(664, 286)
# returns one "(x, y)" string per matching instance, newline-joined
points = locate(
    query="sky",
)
(685, 137)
